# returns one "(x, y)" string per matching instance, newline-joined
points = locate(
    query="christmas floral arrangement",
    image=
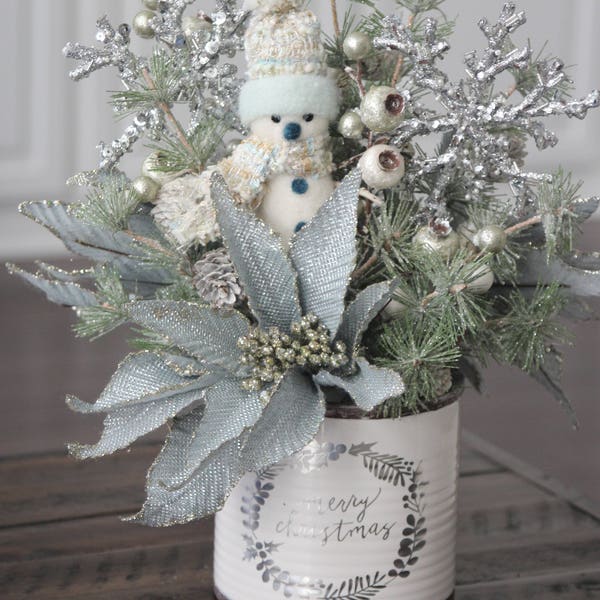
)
(343, 216)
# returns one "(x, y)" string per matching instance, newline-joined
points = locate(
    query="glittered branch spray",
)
(245, 396)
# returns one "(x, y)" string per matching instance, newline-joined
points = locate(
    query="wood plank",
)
(492, 506)
(530, 473)
(494, 509)
(560, 585)
(93, 535)
(47, 488)
(475, 463)
(151, 571)
(574, 553)
(513, 524)
(503, 529)
(148, 572)
(37, 489)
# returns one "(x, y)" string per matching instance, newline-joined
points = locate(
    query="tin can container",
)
(366, 510)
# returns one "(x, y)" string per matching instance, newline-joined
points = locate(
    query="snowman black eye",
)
(309, 117)
(276, 119)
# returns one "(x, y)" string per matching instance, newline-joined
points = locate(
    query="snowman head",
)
(290, 94)
(289, 128)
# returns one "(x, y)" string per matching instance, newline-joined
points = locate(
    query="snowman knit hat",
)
(287, 70)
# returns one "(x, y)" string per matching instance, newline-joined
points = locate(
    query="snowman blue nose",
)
(292, 131)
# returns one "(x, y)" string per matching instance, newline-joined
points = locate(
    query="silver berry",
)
(382, 167)
(491, 238)
(142, 24)
(146, 189)
(446, 245)
(350, 125)
(151, 167)
(232, 145)
(483, 280)
(357, 45)
(382, 109)
(195, 24)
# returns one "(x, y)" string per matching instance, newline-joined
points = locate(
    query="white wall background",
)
(49, 126)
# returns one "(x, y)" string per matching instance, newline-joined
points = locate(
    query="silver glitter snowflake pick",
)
(199, 47)
(474, 118)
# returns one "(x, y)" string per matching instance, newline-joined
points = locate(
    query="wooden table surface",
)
(521, 536)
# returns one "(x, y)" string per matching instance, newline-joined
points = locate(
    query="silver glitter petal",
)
(205, 333)
(95, 243)
(228, 411)
(369, 387)
(584, 208)
(59, 274)
(265, 272)
(61, 220)
(579, 272)
(359, 314)
(124, 425)
(141, 378)
(289, 422)
(203, 494)
(183, 365)
(65, 293)
(324, 254)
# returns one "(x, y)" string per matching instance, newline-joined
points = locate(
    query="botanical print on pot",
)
(353, 515)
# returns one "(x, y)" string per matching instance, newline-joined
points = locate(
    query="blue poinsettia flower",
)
(226, 420)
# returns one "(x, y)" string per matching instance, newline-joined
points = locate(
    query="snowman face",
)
(289, 128)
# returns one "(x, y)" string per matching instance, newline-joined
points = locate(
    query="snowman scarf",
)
(255, 161)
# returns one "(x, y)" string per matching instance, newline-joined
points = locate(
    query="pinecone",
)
(444, 384)
(216, 280)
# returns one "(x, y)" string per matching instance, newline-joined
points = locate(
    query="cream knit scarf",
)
(254, 161)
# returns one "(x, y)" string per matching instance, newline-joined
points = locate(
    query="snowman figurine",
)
(282, 170)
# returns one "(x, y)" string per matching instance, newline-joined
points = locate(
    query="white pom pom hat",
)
(287, 71)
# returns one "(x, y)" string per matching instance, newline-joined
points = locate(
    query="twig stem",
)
(400, 63)
(528, 223)
(336, 20)
(179, 130)
(365, 267)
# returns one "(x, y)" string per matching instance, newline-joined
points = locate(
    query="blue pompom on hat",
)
(287, 69)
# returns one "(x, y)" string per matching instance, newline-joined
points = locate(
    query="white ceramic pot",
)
(367, 510)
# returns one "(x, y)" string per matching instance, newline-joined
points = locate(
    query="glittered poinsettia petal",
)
(359, 314)
(139, 378)
(228, 411)
(264, 270)
(118, 249)
(209, 335)
(580, 272)
(204, 493)
(324, 254)
(65, 293)
(124, 425)
(368, 387)
(289, 422)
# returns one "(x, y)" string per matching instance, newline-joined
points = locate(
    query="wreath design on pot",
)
(388, 468)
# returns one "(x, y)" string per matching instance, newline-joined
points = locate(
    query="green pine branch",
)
(109, 203)
(160, 88)
(96, 321)
(556, 201)
(420, 349)
(530, 326)
(192, 153)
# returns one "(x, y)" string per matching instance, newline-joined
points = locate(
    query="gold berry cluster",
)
(271, 353)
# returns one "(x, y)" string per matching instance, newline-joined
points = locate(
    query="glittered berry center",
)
(271, 353)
